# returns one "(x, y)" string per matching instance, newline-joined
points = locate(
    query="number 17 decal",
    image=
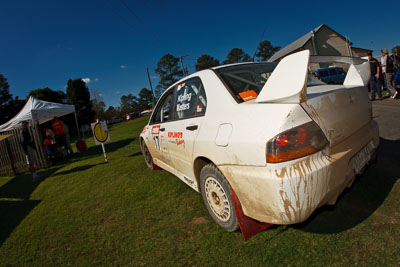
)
(157, 142)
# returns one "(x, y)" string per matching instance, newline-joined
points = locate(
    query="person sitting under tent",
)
(58, 128)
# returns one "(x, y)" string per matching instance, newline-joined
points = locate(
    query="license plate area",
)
(361, 158)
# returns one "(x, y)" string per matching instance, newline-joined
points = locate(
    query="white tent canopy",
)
(37, 110)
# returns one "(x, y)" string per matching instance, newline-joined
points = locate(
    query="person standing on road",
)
(28, 146)
(387, 70)
(375, 83)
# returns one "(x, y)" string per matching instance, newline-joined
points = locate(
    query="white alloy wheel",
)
(216, 192)
(217, 199)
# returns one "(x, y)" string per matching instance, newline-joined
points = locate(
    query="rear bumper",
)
(289, 192)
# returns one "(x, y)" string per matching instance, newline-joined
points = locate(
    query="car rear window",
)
(245, 81)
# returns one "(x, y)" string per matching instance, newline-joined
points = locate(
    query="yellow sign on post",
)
(100, 132)
(101, 135)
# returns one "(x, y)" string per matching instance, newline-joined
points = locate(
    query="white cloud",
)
(154, 77)
(118, 92)
(86, 80)
(123, 66)
(96, 79)
(100, 94)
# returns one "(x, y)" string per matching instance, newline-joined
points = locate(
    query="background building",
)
(322, 41)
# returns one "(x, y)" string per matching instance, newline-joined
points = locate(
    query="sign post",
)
(100, 133)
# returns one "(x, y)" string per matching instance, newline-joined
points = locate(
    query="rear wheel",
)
(216, 193)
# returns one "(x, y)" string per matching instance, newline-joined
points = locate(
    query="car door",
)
(189, 109)
(159, 125)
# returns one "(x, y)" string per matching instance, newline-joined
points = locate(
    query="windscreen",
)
(245, 81)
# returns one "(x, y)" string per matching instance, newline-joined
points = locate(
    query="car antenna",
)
(258, 45)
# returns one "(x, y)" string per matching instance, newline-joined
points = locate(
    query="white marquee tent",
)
(38, 110)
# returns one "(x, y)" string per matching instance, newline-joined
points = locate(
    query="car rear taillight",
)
(295, 143)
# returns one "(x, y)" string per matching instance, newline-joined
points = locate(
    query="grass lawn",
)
(88, 212)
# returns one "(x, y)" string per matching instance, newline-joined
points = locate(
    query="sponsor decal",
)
(175, 134)
(180, 86)
(184, 97)
(181, 107)
(155, 129)
(189, 181)
(180, 142)
(178, 138)
(199, 108)
(144, 129)
(248, 95)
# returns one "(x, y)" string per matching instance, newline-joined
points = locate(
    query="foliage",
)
(98, 105)
(46, 94)
(98, 108)
(169, 71)
(9, 107)
(129, 104)
(266, 50)
(396, 50)
(206, 62)
(78, 94)
(236, 55)
(112, 112)
(5, 100)
(145, 99)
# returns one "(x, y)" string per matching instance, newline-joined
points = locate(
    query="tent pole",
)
(77, 127)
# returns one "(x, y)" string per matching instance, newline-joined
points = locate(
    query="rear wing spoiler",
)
(288, 82)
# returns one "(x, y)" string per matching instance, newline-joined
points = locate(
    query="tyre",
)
(217, 197)
(147, 156)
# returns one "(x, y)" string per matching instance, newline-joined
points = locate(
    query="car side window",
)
(332, 72)
(163, 112)
(190, 99)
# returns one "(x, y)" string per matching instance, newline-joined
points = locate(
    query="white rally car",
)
(268, 135)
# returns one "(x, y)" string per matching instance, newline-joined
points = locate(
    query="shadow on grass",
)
(365, 196)
(97, 150)
(22, 186)
(80, 168)
(12, 213)
(136, 154)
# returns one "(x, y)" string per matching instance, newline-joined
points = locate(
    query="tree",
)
(9, 107)
(145, 99)
(78, 95)
(5, 100)
(236, 55)
(46, 94)
(265, 50)
(396, 51)
(206, 62)
(169, 71)
(98, 105)
(111, 112)
(129, 103)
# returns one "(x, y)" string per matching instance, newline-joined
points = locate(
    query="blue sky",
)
(45, 43)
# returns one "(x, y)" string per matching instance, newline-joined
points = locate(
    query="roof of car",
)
(241, 63)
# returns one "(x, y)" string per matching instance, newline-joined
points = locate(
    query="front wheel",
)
(216, 193)
(147, 156)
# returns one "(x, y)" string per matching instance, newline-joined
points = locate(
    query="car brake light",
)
(296, 143)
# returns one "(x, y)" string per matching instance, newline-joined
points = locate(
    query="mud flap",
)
(154, 166)
(248, 226)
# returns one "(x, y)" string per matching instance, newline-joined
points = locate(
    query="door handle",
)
(192, 127)
(162, 129)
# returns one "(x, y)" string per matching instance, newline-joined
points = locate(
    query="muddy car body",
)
(284, 145)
